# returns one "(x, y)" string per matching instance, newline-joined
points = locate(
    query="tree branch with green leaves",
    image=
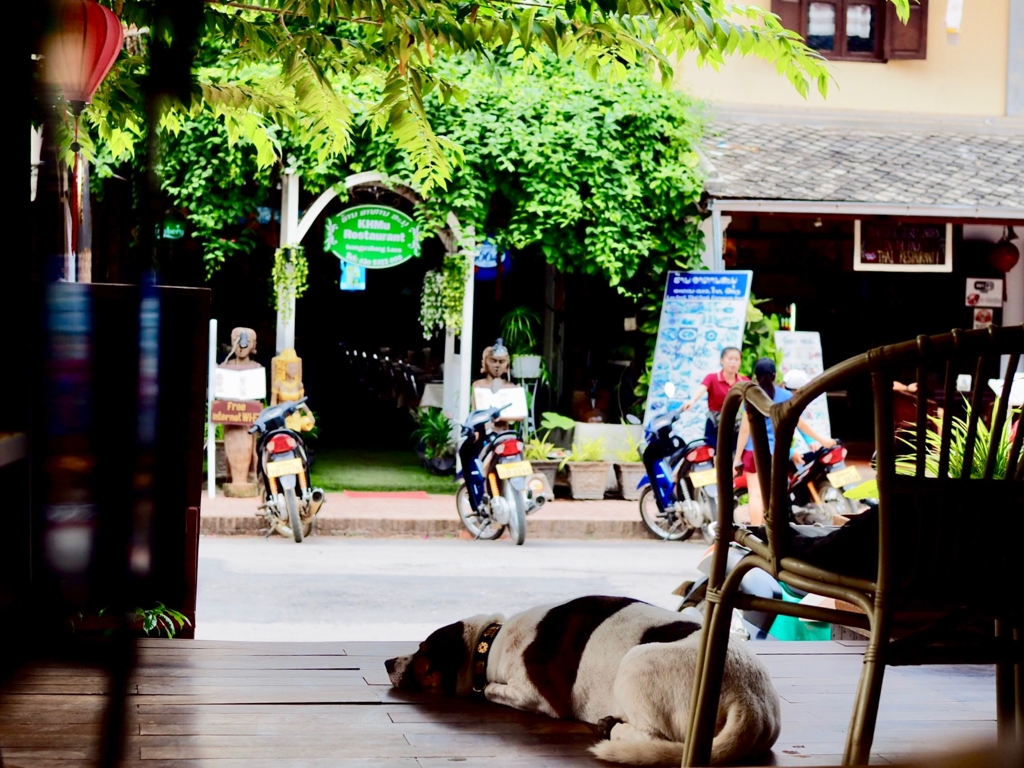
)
(313, 53)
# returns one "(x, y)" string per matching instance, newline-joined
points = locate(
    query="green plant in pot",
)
(519, 329)
(541, 452)
(588, 471)
(433, 435)
(629, 469)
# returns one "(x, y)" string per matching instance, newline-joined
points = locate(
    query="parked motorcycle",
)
(751, 624)
(816, 486)
(290, 501)
(680, 493)
(498, 489)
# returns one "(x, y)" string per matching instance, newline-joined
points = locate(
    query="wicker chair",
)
(941, 567)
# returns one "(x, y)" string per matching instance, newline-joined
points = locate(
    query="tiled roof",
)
(864, 164)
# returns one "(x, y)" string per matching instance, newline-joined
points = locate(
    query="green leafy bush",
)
(434, 431)
(907, 464)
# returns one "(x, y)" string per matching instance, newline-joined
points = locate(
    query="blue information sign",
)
(703, 313)
(353, 277)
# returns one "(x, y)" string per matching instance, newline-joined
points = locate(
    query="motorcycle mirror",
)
(496, 385)
(670, 390)
(631, 419)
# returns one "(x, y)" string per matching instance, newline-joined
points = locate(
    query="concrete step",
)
(435, 515)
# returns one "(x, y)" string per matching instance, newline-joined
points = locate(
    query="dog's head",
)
(444, 662)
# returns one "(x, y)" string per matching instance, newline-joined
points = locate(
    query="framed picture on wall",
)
(886, 246)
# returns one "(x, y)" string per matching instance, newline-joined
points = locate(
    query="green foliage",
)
(632, 454)
(519, 329)
(443, 294)
(159, 619)
(290, 276)
(585, 450)
(539, 447)
(215, 181)
(297, 64)
(434, 430)
(907, 464)
(759, 337)
(162, 619)
(552, 421)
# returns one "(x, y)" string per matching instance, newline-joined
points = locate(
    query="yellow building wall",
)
(964, 79)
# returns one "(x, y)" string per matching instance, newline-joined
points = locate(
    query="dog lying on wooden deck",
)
(617, 663)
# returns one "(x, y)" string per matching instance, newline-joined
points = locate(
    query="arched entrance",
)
(389, 314)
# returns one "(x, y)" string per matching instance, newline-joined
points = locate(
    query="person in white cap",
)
(795, 378)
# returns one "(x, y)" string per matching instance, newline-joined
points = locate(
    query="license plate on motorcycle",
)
(285, 467)
(844, 477)
(704, 477)
(514, 469)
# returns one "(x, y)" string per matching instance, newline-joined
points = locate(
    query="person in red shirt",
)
(717, 385)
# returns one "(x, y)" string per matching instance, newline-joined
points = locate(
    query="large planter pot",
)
(547, 468)
(628, 474)
(526, 366)
(441, 465)
(587, 479)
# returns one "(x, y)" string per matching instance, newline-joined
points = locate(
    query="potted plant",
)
(519, 329)
(544, 455)
(588, 472)
(629, 469)
(433, 435)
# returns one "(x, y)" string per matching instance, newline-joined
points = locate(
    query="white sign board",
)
(703, 313)
(802, 350)
(515, 397)
(240, 383)
(984, 292)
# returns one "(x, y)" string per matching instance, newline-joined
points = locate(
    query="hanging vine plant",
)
(290, 275)
(443, 294)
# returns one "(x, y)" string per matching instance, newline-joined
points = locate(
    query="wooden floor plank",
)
(214, 705)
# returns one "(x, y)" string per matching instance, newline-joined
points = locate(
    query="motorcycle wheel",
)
(707, 530)
(480, 525)
(294, 522)
(662, 526)
(834, 496)
(517, 514)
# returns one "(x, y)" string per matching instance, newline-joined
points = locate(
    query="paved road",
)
(401, 589)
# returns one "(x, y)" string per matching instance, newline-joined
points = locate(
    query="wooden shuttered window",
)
(910, 40)
(857, 30)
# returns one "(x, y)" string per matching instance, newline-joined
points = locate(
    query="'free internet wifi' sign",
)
(372, 236)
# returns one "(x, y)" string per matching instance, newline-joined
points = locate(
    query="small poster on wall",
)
(801, 350)
(703, 313)
(983, 317)
(984, 292)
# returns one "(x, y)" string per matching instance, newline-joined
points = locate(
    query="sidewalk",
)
(429, 515)
(397, 515)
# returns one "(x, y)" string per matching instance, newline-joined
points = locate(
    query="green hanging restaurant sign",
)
(372, 236)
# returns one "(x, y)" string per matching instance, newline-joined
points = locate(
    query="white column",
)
(211, 428)
(466, 356)
(1013, 308)
(289, 229)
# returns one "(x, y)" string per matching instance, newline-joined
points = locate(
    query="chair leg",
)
(865, 712)
(708, 675)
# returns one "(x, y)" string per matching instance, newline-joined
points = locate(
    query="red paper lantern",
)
(1004, 255)
(82, 49)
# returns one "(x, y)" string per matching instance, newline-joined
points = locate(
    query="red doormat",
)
(387, 494)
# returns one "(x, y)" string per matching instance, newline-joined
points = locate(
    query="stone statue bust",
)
(493, 366)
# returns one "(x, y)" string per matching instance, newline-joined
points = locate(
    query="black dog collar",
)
(480, 654)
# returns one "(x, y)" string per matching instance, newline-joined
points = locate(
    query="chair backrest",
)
(936, 519)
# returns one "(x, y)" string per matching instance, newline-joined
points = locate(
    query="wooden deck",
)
(278, 705)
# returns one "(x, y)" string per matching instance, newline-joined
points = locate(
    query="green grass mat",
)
(360, 470)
